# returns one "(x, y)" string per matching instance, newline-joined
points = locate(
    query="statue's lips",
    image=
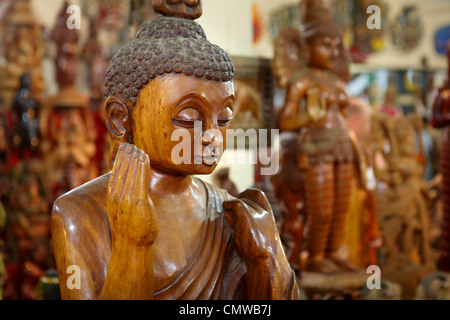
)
(209, 161)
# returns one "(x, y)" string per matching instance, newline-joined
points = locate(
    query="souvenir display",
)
(22, 48)
(67, 126)
(332, 118)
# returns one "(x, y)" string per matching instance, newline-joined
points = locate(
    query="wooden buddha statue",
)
(148, 229)
(313, 66)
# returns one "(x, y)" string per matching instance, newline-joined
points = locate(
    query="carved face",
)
(169, 109)
(325, 52)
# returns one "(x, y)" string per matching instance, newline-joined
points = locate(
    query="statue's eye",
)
(187, 117)
(225, 117)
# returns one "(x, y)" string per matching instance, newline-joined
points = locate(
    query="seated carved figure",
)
(148, 229)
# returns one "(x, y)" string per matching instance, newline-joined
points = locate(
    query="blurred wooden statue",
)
(148, 229)
(406, 254)
(28, 236)
(313, 67)
(25, 122)
(22, 47)
(362, 236)
(96, 60)
(67, 125)
(441, 119)
(95, 55)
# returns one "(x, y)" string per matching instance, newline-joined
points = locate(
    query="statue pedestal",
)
(337, 286)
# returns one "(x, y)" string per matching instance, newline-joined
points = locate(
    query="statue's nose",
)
(212, 137)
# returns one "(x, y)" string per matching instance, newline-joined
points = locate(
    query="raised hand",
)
(131, 212)
(254, 234)
(269, 275)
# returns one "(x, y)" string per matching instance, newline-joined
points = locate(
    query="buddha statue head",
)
(170, 78)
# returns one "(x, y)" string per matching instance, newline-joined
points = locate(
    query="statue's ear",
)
(119, 124)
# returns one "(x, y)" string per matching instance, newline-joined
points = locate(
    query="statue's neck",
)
(164, 183)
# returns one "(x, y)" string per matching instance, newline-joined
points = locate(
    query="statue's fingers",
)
(143, 175)
(133, 176)
(116, 168)
(236, 212)
(123, 172)
(258, 196)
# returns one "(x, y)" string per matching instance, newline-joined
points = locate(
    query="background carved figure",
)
(313, 67)
(22, 47)
(406, 255)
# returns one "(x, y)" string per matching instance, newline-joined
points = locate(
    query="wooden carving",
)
(66, 64)
(319, 157)
(22, 47)
(66, 124)
(402, 203)
(25, 114)
(441, 119)
(148, 229)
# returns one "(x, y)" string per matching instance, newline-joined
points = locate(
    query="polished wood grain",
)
(149, 230)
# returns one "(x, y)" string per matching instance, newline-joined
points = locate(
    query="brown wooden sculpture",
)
(441, 119)
(66, 123)
(313, 66)
(95, 55)
(22, 48)
(402, 203)
(148, 230)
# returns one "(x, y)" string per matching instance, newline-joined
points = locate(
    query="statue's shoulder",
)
(81, 236)
(83, 204)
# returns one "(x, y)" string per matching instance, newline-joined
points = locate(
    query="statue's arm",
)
(132, 219)
(107, 235)
(81, 248)
(269, 275)
(291, 117)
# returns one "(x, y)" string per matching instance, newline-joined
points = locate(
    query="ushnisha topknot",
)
(165, 45)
